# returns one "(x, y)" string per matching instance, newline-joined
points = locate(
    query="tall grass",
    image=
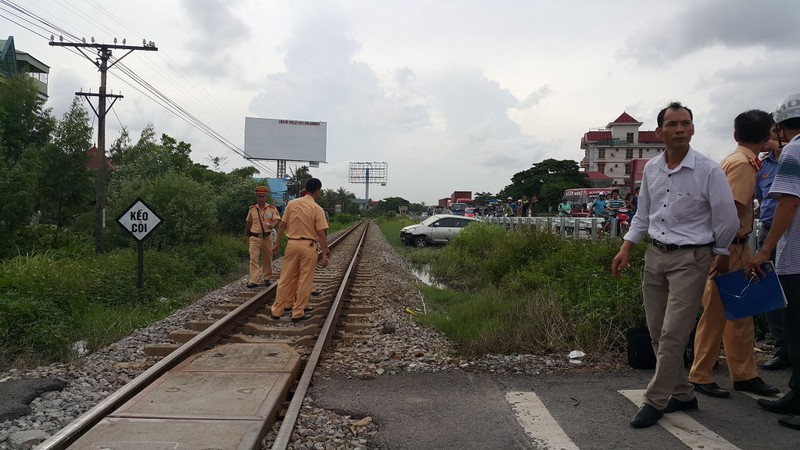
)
(49, 301)
(530, 292)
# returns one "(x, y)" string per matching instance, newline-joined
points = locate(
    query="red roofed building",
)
(612, 151)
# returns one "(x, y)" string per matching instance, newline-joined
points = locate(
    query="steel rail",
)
(293, 411)
(69, 434)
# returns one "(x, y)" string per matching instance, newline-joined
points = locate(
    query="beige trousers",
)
(260, 247)
(737, 336)
(673, 287)
(297, 274)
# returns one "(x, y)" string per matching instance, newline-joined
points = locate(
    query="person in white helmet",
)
(784, 235)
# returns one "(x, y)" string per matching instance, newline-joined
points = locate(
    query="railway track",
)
(234, 376)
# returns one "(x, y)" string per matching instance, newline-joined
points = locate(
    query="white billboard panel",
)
(282, 139)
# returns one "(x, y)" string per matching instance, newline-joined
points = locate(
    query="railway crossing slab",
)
(230, 393)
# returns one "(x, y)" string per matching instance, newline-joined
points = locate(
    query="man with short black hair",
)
(305, 225)
(751, 132)
(687, 209)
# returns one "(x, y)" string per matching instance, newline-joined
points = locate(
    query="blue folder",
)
(744, 297)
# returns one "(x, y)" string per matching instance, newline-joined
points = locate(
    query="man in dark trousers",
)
(686, 208)
(784, 234)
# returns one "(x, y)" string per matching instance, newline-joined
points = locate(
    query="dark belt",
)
(264, 235)
(670, 247)
(302, 239)
(741, 240)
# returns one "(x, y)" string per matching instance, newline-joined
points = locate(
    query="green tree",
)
(65, 183)
(186, 207)
(556, 175)
(391, 204)
(482, 198)
(24, 122)
(297, 180)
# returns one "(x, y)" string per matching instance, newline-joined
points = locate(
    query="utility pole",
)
(101, 62)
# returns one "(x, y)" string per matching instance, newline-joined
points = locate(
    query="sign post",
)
(139, 220)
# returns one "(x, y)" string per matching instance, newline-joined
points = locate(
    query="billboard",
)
(284, 139)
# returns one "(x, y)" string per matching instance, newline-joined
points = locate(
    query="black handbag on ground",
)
(640, 349)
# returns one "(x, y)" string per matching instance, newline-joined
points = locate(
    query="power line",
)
(157, 96)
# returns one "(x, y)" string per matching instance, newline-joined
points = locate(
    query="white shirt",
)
(690, 204)
(787, 182)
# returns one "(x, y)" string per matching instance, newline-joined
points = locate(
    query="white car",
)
(436, 229)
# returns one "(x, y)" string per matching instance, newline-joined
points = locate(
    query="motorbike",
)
(623, 220)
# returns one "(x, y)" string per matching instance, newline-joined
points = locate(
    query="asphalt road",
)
(458, 410)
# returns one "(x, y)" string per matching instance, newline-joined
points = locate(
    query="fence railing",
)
(589, 227)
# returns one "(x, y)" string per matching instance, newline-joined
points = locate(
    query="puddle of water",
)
(424, 275)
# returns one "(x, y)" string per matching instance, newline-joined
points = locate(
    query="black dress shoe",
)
(303, 317)
(711, 390)
(267, 283)
(679, 405)
(792, 422)
(779, 362)
(647, 416)
(778, 406)
(306, 309)
(756, 386)
(316, 292)
(252, 285)
(275, 317)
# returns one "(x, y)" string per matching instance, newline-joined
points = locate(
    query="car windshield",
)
(427, 222)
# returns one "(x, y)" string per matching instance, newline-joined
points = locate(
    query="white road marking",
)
(683, 427)
(756, 396)
(538, 423)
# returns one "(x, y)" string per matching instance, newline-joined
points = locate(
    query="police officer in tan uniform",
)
(751, 131)
(261, 220)
(305, 225)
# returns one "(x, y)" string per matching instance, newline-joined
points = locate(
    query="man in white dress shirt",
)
(687, 209)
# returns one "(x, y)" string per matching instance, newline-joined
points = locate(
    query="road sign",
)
(140, 220)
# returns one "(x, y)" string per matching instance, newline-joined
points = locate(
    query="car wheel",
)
(420, 241)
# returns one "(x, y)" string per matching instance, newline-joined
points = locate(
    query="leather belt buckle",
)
(661, 246)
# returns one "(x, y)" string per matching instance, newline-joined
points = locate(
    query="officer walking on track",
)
(261, 220)
(305, 226)
(687, 209)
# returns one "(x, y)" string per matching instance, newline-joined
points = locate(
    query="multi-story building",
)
(15, 63)
(619, 150)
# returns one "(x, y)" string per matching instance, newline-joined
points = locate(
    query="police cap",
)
(263, 190)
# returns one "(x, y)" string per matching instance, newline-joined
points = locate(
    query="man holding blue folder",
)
(687, 209)
(785, 234)
(751, 132)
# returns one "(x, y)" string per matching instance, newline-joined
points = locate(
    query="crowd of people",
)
(698, 216)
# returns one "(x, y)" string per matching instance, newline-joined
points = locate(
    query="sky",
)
(453, 95)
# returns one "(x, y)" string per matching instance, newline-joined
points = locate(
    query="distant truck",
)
(461, 197)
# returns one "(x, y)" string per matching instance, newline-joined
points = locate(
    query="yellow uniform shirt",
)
(304, 218)
(269, 215)
(740, 169)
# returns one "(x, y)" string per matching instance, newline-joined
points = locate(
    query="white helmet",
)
(789, 108)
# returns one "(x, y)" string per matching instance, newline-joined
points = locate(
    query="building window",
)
(627, 168)
(629, 153)
(601, 167)
(630, 138)
(601, 153)
(640, 153)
